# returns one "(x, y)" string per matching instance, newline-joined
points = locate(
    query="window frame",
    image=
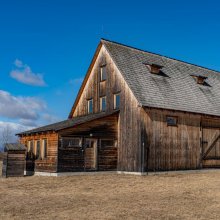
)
(88, 106)
(69, 139)
(101, 104)
(37, 156)
(44, 150)
(103, 67)
(30, 146)
(175, 118)
(115, 101)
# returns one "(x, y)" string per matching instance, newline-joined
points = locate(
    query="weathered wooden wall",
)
(172, 147)
(95, 89)
(102, 131)
(129, 152)
(13, 164)
(107, 155)
(70, 159)
(90, 159)
(211, 135)
(48, 164)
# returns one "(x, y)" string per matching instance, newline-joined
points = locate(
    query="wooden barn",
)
(136, 111)
(14, 160)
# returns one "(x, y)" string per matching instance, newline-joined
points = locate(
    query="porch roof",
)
(14, 147)
(67, 123)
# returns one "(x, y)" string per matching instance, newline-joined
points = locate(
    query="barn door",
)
(211, 147)
(91, 152)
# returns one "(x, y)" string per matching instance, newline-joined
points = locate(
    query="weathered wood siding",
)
(70, 159)
(129, 152)
(13, 164)
(171, 147)
(48, 164)
(211, 137)
(94, 88)
(90, 159)
(107, 155)
(104, 133)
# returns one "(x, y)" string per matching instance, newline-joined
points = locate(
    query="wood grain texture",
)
(13, 164)
(48, 164)
(171, 147)
(210, 137)
(128, 126)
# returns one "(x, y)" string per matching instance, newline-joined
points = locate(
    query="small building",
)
(14, 160)
(136, 111)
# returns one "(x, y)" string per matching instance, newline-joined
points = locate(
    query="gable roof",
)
(14, 147)
(175, 89)
(67, 123)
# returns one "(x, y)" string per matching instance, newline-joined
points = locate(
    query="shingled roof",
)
(14, 147)
(175, 89)
(67, 123)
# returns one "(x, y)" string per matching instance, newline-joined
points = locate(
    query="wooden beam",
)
(212, 144)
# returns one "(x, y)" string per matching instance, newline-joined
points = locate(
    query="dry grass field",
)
(173, 196)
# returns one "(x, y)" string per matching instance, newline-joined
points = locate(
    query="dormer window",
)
(199, 79)
(154, 68)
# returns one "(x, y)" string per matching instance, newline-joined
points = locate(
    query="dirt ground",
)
(173, 196)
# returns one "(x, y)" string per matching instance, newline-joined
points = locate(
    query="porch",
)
(91, 146)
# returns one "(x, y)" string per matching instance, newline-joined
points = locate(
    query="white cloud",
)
(18, 63)
(50, 118)
(18, 107)
(13, 129)
(24, 74)
(28, 122)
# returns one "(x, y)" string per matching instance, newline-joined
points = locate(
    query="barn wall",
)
(13, 164)
(70, 159)
(129, 152)
(48, 164)
(211, 131)
(77, 158)
(95, 89)
(171, 147)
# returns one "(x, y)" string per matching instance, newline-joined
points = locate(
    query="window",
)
(154, 68)
(107, 143)
(103, 104)
(116, 101)
(44, 150)
(30, 146)
(103, 74)
(171, 121)
(71, 142)
(200, 79)
(37, 155)
(90, 106)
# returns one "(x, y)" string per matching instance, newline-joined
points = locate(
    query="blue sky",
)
(46, 47)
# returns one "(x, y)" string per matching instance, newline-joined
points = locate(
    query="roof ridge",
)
(157, 54)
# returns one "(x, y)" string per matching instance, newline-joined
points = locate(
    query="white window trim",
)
(43, 148)
(101, 99)
(101, 73)
(88, 108)
(115, 95)
(36, 148)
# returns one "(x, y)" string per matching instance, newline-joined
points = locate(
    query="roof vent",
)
(154, 68)
(199, 79)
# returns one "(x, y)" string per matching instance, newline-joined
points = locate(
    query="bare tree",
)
(6, 135)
